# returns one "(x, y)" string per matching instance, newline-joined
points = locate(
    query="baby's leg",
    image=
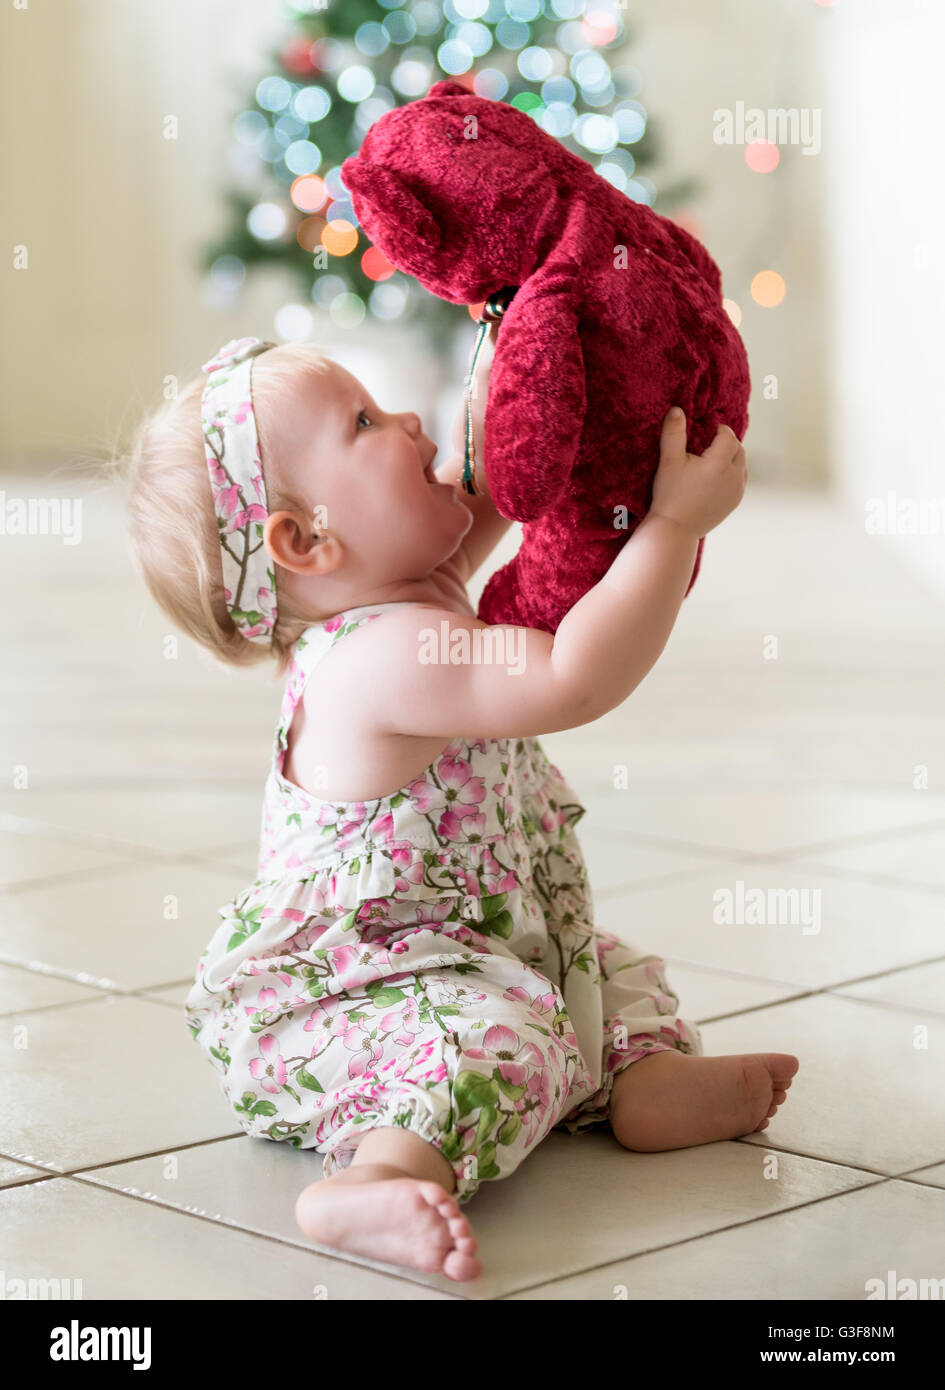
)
(671, 1100)
(393, 1202)
(659, 1091)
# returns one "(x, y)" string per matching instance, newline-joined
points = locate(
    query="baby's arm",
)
(534, 683)
(488, 526)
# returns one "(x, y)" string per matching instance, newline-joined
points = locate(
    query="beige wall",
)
(884, 233)
(112, 212)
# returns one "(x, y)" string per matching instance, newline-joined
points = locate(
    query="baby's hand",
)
(698, 491)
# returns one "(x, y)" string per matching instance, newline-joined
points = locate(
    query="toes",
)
(461, 1267)
(779, 1097)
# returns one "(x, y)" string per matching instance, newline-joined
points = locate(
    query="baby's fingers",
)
(726, 446)
(673, 437)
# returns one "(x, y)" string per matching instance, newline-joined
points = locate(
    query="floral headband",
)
(236, 482)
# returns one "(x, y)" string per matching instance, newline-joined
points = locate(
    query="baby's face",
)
(367, 476)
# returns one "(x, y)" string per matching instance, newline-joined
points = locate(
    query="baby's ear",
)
(394, 219)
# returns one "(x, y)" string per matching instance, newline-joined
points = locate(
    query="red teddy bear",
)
(617, 315)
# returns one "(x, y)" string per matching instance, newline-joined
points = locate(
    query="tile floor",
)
(130, 812)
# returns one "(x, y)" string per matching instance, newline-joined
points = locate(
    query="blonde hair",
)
(172, 523)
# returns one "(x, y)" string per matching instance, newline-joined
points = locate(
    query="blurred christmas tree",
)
(347, 63)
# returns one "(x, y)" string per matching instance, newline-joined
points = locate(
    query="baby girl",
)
(414, 986)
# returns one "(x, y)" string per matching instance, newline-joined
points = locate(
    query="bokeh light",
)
(491, 84)
(733, 311)
(630, 118)
(524, 10)
(266, 221)
(273, 93)
(761, 156)
(340, 237)
(470, 9)
(228, 273)
(454, 57)
(375, 264)
(249, 126)
(476, 37)
(309, 233)
(347, 310)
(400, 27)
(768, 289)
(535, 64)
(302, 157)
(596, 133)
(559, 89)
(326, 288)
(599, 27)
(293, 323)
(371, 38)
(388, 300)
(311, 104)
(512, 35)
(558, 119)
(355, 82)
(308, 193)
(410, 78)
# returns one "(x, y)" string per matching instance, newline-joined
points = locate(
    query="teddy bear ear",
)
(448, 88)
(394, 219)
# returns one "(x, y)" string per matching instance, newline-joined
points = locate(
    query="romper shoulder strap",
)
(314, 642)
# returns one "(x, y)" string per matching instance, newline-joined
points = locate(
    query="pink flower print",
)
(402, 1024)
(269, 1069)
(463, 791)
(424, 794)
(369, 1053)
(457, 824)
(267, 997)
(258, 486)
(502, 1045)
(407, 868)
(335, 623)
(227, 501)
(383, 827)
(549, 821)
(252, 513)
(538, 1098)
(290, 914)
(327, 1018)
(541, 1003)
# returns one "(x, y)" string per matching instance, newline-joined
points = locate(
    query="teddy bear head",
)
(464, 227)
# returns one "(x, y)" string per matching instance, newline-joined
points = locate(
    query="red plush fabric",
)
(617, 316)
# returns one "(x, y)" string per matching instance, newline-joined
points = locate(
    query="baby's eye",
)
(365, 415)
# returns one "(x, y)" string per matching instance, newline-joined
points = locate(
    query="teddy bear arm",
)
(535, 410)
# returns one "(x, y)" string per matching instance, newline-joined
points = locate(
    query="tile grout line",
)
(704, 1235)
(342, 1257)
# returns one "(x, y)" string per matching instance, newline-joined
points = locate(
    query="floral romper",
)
(425, 959)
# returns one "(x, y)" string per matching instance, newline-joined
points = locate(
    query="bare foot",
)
(671, 1100)
(404, 1221)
